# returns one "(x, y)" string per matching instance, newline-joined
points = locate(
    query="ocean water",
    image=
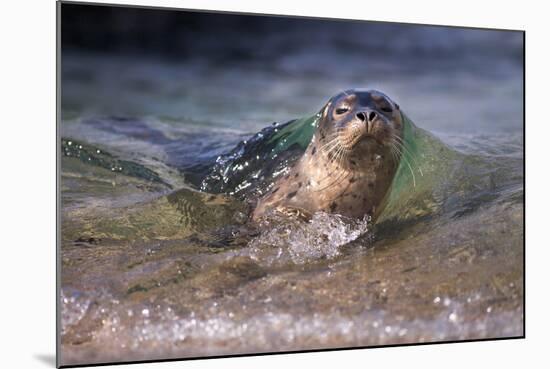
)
(151, 267)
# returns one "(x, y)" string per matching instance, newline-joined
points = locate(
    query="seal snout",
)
(368, 117)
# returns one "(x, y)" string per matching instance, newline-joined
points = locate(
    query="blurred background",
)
(246, 71)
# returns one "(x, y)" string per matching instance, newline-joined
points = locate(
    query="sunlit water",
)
(154, 268)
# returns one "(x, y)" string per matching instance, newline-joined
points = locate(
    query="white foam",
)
(300, 242)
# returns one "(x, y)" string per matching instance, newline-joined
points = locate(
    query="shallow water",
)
(153, 268)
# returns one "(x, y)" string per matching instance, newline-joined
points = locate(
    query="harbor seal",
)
(350, 163)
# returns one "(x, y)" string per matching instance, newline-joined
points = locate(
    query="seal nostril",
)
(372, 116)
(361, 116)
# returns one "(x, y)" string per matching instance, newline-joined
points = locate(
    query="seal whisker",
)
(343, 156)
(340, 155)
(333, 138)
(394, 154)
(412, 172)
(404, 158)
(328, 151)
(402, 150)
(405, 150)
(331, 153)
(414, 162)
(337, 158)
(338, 148)
(399, 141)
(330, 145)
(336, 181)
(334, 147)
(337, 155)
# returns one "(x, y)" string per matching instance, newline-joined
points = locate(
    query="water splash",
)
(289, 240)
(250, 169)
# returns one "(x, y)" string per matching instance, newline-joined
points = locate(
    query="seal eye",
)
(341, 110)
(386, 109)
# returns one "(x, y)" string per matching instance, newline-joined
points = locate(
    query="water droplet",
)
(437, 300)
(145, 312)
(452, 317)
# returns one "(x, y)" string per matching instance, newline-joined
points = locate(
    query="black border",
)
(150, 7)
(58, 190)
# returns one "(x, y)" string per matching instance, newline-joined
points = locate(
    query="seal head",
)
(350, 163)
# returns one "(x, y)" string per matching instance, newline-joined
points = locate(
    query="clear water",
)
(153, 268)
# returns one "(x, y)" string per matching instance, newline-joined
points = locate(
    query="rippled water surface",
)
(154, 268)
